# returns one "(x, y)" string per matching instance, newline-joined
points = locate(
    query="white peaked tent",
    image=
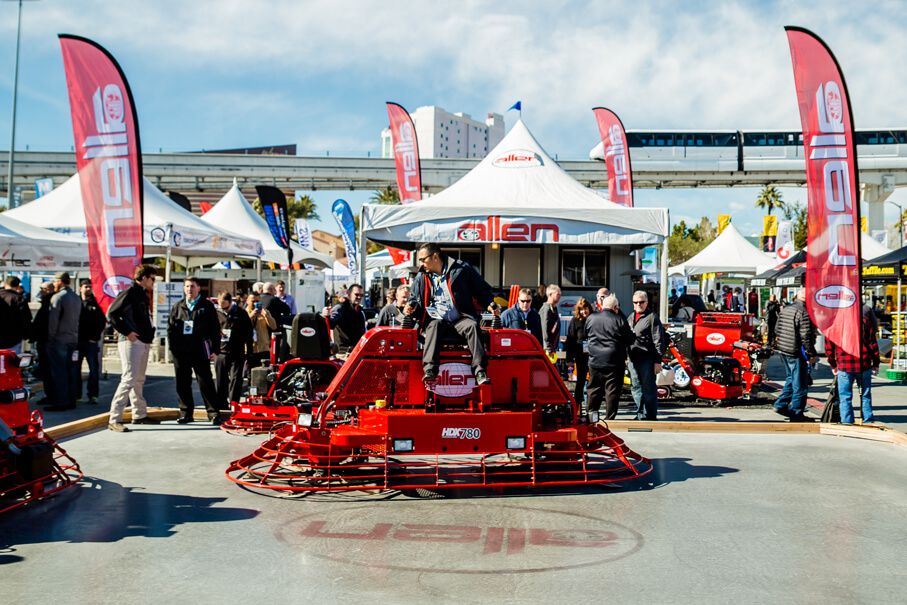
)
(24, 247)
(234, 213)
(516, 180)
(870, 248)
(729, 253)
(193, 240)
(525, 215)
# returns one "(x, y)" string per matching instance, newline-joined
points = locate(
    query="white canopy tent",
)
(519, 197)
(193, 240)
(730, 252)
(24, 247)
(723, 256)
(234, 213)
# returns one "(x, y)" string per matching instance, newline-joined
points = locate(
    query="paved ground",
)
(724, 518)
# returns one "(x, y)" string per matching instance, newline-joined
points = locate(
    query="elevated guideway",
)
(201, 175)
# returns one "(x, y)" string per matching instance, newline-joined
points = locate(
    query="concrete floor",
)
(725, 518)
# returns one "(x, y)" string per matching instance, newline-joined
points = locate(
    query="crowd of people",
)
(445, 300)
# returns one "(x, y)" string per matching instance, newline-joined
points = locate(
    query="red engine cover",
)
(14, 414)
(716, 333)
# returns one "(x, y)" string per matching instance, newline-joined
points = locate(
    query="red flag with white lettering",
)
(406, 159)
(109, 160)
(833, 245)
(617, 156)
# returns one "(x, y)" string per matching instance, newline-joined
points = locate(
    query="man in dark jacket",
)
(92, 322)
(646, 353)
(522, 316)
(39, 338)
(193, 335)
(15, 316)
(236, 345)
(446, 298)
(130, 316)
(772, 310)
(63, 344)
(278, 309)
(347, 320)
(796, 341)
(609, 337)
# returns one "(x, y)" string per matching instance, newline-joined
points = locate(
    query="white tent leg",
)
(663, 294)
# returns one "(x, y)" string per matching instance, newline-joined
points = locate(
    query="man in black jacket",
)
(92, 322)
(130, 316)
(15, 316)
(646, 352)
(796, 341)
(609, 337)
(447, 296)
(236, 344)
(193, 335)
(347, 320)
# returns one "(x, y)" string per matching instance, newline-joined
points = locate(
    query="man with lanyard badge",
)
(446, 296)
(522, 316)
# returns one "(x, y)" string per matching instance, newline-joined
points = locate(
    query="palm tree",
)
(387, 196)
(769, 198)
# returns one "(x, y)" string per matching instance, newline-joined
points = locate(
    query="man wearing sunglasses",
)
(645, 353)
(522, 316)
(446, 298)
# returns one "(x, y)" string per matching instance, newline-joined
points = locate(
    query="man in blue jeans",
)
(860, 370)
(796, 341)
(645, 352)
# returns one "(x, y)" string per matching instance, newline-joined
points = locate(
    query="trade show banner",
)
(769, 232)
(617, 156)
(784, 243)
(723, 221)
(43, 186)
(274, 203)
(344, 217)
(833, 244)
(109, 161)
(406, 160)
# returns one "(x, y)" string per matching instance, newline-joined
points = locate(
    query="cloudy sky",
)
(210, 74)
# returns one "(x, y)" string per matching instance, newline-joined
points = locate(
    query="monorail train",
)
(736, 150)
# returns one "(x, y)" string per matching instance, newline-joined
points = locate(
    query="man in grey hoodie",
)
(63, 344)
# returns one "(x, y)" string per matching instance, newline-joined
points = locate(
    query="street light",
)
(12, 143)
(900, 221)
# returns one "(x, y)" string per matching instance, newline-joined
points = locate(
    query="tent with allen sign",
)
(521, 219)
(233, 212)
(24, 247)
(193, 241)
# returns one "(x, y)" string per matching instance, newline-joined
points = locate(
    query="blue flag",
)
(344, 217)
(274, 203)
(518, 106)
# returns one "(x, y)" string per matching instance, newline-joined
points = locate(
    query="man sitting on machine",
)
(447, 295)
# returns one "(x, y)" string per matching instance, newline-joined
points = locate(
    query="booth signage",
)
(494, 230)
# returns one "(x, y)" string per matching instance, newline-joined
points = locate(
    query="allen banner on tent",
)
(833, 244)
(109, 160)
(617, 156)
(274, 203)
(406, 160)
(344, 217)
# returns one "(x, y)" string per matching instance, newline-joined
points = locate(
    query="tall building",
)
(442, 134)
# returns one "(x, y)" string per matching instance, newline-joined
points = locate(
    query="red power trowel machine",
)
(32, 465)
(276, 391)
(377, 426)
(718, 357)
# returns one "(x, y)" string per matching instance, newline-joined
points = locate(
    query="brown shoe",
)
(118, 427)
(145, 420)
